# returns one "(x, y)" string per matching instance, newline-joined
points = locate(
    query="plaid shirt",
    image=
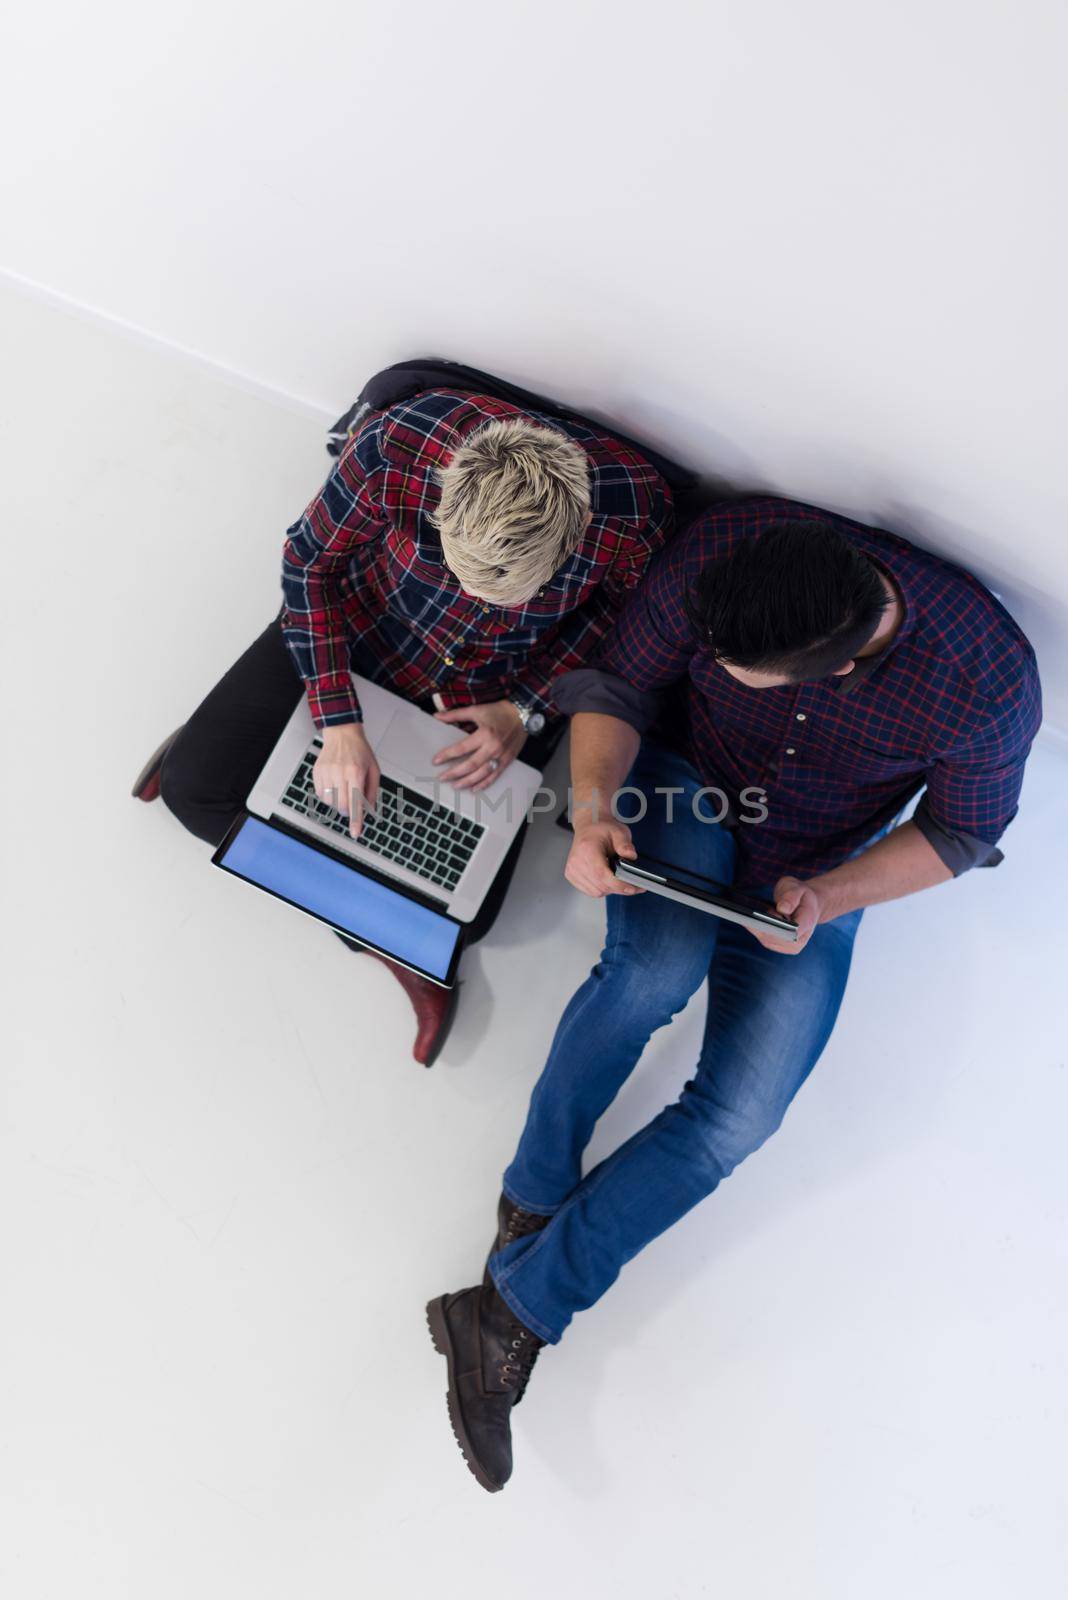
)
(364, 565)
(952, 703)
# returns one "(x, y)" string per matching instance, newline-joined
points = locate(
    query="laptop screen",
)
(341, 896)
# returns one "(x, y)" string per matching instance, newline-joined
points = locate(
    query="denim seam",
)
(505, 1276)
(535, 1324)
(611, 938)
(538, 1211)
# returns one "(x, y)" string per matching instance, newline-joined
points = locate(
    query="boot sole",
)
(439, 1337)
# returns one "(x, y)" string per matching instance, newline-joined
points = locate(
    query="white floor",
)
(227, 1191)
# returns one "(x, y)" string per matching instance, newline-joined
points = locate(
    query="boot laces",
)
(520, 1223)
(520, 1356)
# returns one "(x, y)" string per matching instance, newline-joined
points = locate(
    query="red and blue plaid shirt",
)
(953, 703)
(364, 565)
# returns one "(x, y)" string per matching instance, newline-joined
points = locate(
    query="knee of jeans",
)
(728, 1133)
(657, 990)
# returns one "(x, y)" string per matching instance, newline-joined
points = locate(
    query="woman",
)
(462, 553)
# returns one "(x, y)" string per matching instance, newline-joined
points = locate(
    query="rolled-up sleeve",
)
(973, 789)
(594, 689)
(959, 851)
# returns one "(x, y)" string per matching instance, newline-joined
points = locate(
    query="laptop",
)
(424, 860)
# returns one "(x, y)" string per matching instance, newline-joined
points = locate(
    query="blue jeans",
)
(769, 1017)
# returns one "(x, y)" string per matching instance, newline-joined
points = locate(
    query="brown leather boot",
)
(146, 786)
(489, 1354)
(515, 1223)
(434, 1006)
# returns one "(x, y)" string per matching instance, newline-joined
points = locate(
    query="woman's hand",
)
(346, 773)
(479, 760)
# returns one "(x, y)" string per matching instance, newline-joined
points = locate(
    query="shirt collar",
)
(864, 666)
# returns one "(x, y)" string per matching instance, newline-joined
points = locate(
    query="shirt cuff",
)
(591, 689)
(529, 695)
(959, 850)
(333, 701)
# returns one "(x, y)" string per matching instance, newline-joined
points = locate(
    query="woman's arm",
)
(346, 513)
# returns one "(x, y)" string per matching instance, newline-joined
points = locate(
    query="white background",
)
(817, 247)
(811, 247)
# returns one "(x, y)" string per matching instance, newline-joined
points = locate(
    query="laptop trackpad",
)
(410, 743)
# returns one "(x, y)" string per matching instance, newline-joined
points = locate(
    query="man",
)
(463, 554)
(779, 652)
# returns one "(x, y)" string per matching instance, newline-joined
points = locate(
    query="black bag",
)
(405, 379)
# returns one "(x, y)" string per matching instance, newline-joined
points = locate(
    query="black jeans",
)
(217, 757)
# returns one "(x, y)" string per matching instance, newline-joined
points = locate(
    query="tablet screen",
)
(707, 894)
(341, 896)
(695, 880)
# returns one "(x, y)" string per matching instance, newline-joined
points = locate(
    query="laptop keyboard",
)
(429, 840)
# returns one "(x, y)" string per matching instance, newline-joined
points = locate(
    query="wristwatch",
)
(533, 721)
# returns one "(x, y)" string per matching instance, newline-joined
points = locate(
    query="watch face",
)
(535, 722)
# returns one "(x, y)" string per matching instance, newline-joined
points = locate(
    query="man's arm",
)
(612, 702)
(902, 863)
(972, 795)
(603, 749)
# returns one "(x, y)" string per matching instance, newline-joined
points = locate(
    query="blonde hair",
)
(515, 500)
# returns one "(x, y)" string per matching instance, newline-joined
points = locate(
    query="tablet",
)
(344, 896)
(705, 894)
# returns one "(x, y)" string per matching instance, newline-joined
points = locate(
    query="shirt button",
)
(448, 661)
(800, 716)
(790, 751)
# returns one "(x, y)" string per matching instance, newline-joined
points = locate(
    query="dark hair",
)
(796, 599)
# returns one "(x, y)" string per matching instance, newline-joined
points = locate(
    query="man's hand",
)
(589, 863)
(346, 773)
(479, 760)
(804, 904)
